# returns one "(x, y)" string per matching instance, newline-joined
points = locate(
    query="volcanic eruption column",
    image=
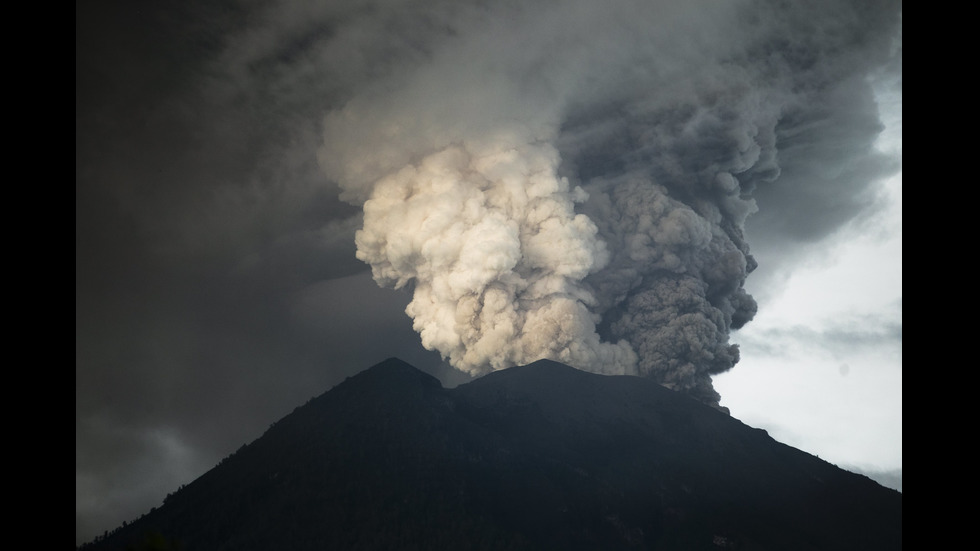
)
(570, 180)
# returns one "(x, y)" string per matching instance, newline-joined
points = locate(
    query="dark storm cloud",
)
(202, 219)
(216, 280)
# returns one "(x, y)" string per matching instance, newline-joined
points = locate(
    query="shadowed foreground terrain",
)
(542, 456)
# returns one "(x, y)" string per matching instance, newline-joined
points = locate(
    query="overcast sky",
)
(628, 186)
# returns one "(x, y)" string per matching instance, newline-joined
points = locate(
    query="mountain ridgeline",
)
(537, 457)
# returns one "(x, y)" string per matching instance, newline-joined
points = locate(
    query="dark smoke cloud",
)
(528, 183)
(567, 179)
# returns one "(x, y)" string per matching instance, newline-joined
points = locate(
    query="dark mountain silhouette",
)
(542, 456)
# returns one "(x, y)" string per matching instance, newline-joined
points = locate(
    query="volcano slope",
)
(541, 456)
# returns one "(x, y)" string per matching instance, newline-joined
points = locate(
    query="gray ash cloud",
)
(568, 182)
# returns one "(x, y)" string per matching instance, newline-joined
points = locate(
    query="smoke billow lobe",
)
(562, 181)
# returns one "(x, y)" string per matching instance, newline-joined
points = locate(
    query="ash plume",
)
(571, 180)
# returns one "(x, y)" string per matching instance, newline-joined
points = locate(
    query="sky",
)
(273, 196)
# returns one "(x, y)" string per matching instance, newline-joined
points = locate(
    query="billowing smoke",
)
(571, 179)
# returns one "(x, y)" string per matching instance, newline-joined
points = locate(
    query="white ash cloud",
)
(496, 256)
(571, 180)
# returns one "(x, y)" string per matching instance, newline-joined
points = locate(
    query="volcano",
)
(535, 457)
